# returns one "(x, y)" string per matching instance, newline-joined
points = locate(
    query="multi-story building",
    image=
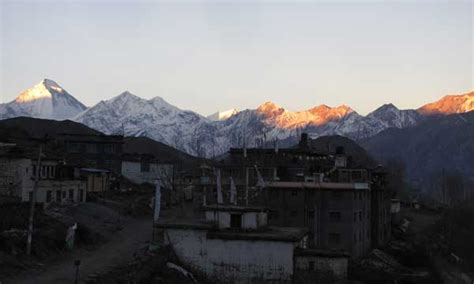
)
(325, 193)
(381, 204)
(56, 182)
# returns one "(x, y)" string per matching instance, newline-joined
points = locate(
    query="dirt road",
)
(131, 240)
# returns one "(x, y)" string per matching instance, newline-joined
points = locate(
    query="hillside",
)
(435, 145)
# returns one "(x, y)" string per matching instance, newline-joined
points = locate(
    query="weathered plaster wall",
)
(323, 264)
(233, 261)
(132, 171)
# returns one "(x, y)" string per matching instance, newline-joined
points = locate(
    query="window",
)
(49, 196)
(311, 265)
(108, 148)
(144, 167)
(337, 195)
(356, 175)
(235, 220)
(58, 195)
(273, 215)
(311, 214)
(355, 237)
(335, 216)
(355, 216)
(360, 215)
(71, 194)
(334, 238)
(293, 213)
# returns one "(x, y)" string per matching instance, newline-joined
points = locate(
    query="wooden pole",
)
(33, 203)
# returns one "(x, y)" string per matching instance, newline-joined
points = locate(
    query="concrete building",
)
(234, 244)
(381, 203)
(336, 214)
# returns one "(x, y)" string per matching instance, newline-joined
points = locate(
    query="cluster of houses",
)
(71, 167)
(288, 215)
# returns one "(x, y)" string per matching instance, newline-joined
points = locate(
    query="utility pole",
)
(33, 202)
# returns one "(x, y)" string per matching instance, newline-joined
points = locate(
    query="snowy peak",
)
(391, 116)
(450, 104)
(223, 115)
(270, 109)
(44, 100)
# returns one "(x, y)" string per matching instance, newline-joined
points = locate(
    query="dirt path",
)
(132, 239)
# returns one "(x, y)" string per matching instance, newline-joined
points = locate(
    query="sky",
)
(217, 55)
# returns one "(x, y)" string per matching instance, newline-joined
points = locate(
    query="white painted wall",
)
(323, 264)
(17, 179)
(132, 171)
(233, 261)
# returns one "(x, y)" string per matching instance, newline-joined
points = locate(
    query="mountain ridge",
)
(195, 134)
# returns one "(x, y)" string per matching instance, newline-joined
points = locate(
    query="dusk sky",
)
(209, 56)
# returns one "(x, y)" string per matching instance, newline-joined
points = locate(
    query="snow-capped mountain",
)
(449, 105)
(222, 115)
(44, 100)
(391, 116)
(214, 135)
(154, 118)
(190, 132)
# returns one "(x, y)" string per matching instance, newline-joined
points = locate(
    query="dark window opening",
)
(335, 216)
(49, 196)
(334, 239)
(235, 220)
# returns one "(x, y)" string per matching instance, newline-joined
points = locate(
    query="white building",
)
(147, 172)
(235, 245)
(18, 176)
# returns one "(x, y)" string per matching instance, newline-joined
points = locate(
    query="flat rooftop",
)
(234, 208)
(282, 234)
(317, 185)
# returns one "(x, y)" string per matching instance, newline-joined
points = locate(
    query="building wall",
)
(336, 219)
(13, 172)
(381, 217)
(138, 173)
(233, 261)
(334, 268)
(56, 191)
(97, 182)
(18, 180)
(250, 220)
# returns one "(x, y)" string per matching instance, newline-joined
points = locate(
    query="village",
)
(254, 215)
